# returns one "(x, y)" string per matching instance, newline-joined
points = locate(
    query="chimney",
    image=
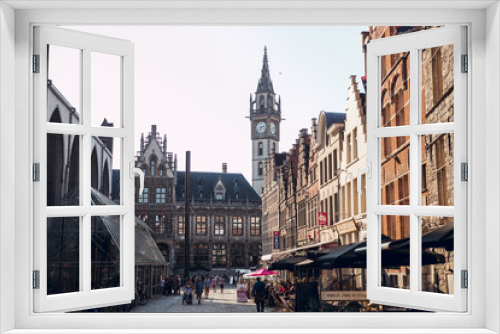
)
(224, 168)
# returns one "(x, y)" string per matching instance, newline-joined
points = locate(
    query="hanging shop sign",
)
(322, 218)
(276, 239)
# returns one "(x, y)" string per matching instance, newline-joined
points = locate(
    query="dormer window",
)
(219, 193)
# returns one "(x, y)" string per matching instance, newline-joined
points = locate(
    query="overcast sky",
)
(194, 83)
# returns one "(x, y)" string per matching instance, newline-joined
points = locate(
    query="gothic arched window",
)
(261, 168)
(153, 167)
(260, 148)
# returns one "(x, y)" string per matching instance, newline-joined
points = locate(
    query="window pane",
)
(105, 89)
(105, 251)
(438, 170)
(63, 85)
(437, 85)
(105, 170)
(437, 256)
(395, 170)
(395, 88)
(63, 255)
(63, 170)
(395, 251)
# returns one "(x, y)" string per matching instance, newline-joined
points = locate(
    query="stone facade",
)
(225, 220)
(265, 118)
(270, 202)
(351, 227)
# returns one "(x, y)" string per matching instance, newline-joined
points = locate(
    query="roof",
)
(203, 185)
(334, 118)
(265, 84)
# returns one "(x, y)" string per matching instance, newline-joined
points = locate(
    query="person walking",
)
(199, 289)
(214, 283)
(259, 293)
(163, 285)
(222, 282)
(177, 285)
(206, 286)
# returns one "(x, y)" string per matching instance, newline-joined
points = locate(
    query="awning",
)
(440, 237)
(394, 254)
(268, 257)
(287, 264)
(343, 257)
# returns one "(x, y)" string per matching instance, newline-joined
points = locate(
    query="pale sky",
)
(194, 83)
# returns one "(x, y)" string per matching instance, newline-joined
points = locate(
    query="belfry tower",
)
(265, 118)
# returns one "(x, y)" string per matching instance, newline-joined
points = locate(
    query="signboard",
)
(343, 295)
(322, 218)
(242, 292)
(276, 239)
(346, 227)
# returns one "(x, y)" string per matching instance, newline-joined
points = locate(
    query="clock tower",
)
(265, 118)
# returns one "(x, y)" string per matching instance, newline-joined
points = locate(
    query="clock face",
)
(272, 127)
(261, 127)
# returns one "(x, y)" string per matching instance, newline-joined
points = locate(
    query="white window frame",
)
(414, 43)
(87, 43)
(484, 102)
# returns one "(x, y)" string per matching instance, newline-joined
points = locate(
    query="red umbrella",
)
(263, 272)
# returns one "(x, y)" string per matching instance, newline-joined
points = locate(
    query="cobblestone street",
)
(216, 303)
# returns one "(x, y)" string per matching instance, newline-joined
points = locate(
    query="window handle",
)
(138, 171)
(367, 171)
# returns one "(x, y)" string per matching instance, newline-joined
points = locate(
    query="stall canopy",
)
(394, 253)
(287, 264)
(440, 237)
(146, 250)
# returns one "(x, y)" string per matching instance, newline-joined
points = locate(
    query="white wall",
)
(338, 16)
(492, 150)
(7, 158)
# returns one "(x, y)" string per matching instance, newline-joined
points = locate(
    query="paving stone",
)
(216, 303)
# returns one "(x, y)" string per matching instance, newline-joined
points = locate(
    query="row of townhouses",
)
(310, 202)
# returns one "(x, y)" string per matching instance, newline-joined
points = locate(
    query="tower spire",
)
(265, 83)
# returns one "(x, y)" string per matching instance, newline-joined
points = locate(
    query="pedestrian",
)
(222, 282)
(199, 289)
(177, 285)
(259, 293)
(163, 285)
(214, 283)
(206, 286)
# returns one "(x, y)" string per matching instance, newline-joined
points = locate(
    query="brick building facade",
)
(337, 150)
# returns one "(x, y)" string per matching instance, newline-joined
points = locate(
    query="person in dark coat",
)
(259, 292)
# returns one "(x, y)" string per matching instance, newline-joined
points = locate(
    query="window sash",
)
(414, 298)
(86, 297)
